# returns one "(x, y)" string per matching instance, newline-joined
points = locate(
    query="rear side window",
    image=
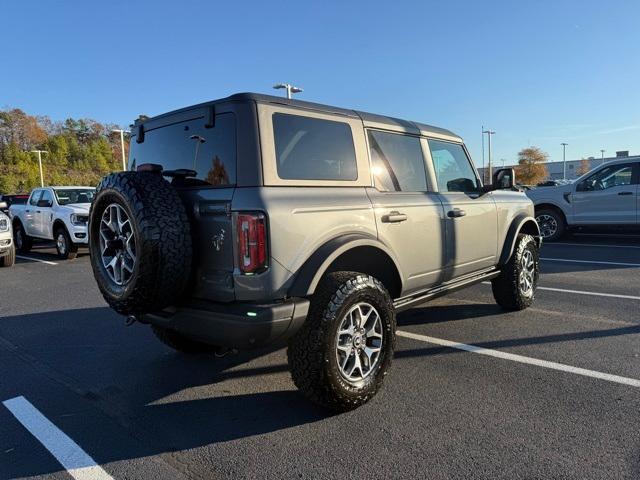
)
(313, 149)
(211, 152)
(453, 168)
(397, 162)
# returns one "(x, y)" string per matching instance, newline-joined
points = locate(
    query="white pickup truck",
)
(53, 213)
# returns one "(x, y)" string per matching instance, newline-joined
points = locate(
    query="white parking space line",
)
(36, 260)
(558, 244)
(521, 359)
(75, 460)
(582, 292)
(597, 262)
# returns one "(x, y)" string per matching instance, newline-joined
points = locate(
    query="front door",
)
(608, 196)
(43, 222)
(409, 217)
(471, 217)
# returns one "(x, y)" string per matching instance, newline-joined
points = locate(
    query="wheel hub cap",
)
(359, 342)
(526, 278)
(117, 244)
(548, 225)
(61, 243)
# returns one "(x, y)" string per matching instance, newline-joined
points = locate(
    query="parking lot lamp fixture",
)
(489, 133)
(289, 88)
(124, 163)
(40, 152)
(564, 160)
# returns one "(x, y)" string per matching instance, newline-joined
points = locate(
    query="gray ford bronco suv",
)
(255, 220)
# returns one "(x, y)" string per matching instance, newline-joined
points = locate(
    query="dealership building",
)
(555, 169)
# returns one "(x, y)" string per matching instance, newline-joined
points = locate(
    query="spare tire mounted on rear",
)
(140, 242)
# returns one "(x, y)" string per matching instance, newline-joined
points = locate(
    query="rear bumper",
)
(234, 325)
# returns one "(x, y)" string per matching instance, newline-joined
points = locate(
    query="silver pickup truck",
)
(254, 219)
(604, 198)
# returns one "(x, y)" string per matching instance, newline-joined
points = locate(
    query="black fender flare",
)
(309, 275)
(517, 224)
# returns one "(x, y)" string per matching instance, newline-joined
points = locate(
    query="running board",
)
(410, 301)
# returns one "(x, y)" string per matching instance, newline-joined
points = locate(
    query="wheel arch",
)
(57, 223)
(352, 252)
(520, 224)
(551, 206)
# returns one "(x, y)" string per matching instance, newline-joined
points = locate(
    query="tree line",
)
(79, 151)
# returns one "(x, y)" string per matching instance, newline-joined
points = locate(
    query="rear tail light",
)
(252, 242)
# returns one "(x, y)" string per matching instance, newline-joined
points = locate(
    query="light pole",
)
(40, 152)
(484, 173)
(602, 155)
(489, 133)
(124, 163)
(564, 160)
(290, 88)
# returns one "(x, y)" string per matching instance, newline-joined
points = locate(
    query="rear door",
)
(409, 216)
(204, 142)
(608, 196)
(471, 218)
(29, 220)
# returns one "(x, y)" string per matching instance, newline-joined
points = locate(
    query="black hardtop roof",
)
(319, 107)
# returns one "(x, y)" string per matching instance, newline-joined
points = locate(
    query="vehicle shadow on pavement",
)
(446, 313)
(167, 401)
(516, 342)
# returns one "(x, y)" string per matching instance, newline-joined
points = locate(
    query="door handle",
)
(625, 193)
(28, 211)
(38, 211)
(456, 213)
(394, 217)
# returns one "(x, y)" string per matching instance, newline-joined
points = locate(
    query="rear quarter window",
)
(211, 152)
(313, 149)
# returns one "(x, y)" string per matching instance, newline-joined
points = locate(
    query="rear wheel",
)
(343, 352)
(515, 288)
(65, 247)
(551, 224)
(23, 241)
(10, 259)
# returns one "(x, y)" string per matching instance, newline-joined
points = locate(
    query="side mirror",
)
(3, 205)
(504, 179)
(44, 203)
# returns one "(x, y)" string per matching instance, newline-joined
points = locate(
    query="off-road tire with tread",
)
(311, 353)
(10, 259)
(506, 288)
(72, 248)
(179, 342)
(27, 241)
(162, 236)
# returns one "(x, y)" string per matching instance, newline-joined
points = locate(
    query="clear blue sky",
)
(538, 73)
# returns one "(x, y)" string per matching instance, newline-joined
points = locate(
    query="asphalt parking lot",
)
(550, 392)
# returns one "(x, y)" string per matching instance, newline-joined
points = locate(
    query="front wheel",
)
(10, 259)
(515, 288)
(551, 223)
(64, 246)
(343, 352)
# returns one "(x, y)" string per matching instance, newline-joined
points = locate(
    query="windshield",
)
(66, 196)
